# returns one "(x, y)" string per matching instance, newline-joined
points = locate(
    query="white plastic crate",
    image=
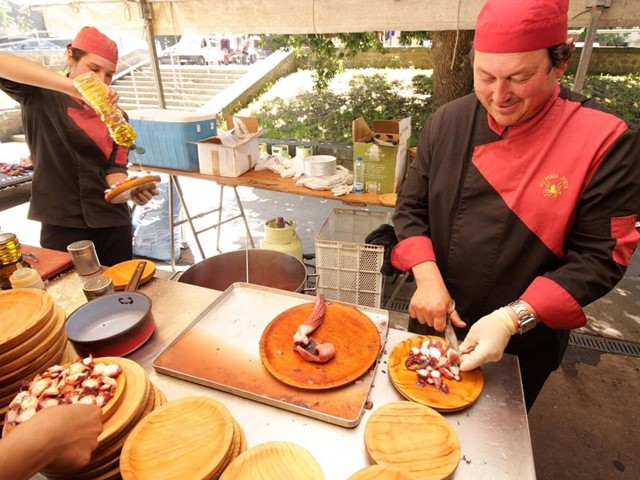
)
(348, 268)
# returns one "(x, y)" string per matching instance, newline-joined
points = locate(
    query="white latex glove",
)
(486, 340)
(142, 197)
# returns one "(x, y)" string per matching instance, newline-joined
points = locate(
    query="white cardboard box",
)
(214, 158)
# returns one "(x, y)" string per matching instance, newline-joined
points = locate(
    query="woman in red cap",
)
(75, 159)
(522, 201)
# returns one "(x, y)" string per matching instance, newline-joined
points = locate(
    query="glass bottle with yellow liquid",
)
(94, 93)
(10, 258)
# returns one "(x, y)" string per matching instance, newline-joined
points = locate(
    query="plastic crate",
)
(349, 269)
(169, 136)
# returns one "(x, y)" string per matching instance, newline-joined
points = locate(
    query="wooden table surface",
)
(267, 180)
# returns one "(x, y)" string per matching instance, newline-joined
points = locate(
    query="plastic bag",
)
(151, 226)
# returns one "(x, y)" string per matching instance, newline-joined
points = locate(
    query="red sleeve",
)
(412, 251)
(555, 306)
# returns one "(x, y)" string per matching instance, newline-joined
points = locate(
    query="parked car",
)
(194, 49)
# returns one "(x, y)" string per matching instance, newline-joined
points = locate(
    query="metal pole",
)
(596, 12)
(147, 15)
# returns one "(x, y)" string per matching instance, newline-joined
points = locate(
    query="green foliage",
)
(328, 51)
(326, 116)
(620, 94)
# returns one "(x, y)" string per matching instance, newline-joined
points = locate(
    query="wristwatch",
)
(526, 319)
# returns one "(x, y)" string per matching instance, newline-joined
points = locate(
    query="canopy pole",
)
(596, 12)
(147, 15)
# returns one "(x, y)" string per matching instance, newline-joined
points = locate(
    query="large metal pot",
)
(111, 326)
(268, 268)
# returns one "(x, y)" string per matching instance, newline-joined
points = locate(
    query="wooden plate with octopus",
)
(461, 393)
(43, 387)
(355, 337)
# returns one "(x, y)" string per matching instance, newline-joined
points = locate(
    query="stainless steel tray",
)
(220, 349)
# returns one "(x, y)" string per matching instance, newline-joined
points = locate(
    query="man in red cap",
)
(522, 201)
(74, 157)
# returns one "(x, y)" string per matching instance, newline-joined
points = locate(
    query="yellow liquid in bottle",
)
(95, 94)
(10, 257)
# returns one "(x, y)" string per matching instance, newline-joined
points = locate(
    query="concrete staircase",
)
(186, 87)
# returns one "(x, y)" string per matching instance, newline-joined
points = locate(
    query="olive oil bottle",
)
(95, 94)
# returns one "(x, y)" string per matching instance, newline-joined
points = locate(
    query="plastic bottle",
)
(26, 278)
(95, 94)
(358, 175)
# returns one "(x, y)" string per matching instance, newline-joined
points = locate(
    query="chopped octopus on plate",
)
(433, 363)
(307, 347)
(82, 381)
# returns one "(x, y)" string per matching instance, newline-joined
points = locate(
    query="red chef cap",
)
(509, 26)
(93, 41)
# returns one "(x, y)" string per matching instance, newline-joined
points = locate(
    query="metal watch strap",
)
(526, 320)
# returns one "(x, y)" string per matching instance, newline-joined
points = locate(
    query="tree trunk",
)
(452, 68)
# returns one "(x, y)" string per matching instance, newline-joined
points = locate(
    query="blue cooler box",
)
(167, 136)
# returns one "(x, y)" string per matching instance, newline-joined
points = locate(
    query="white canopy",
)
(166, 17)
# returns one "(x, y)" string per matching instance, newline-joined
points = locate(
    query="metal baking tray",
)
(220, 349)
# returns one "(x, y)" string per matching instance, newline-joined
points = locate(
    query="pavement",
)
(586, 421)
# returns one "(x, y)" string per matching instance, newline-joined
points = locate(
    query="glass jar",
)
(10, 257)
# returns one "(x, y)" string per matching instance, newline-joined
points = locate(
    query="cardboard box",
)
(168, 137)
(217, 156)
(384, 151)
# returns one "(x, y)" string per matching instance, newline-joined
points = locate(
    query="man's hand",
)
(143, 194)
(431, 301)
(486, 340)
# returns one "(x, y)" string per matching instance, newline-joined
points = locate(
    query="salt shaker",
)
(84, 257)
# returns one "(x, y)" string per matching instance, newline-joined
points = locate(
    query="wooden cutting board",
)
(461, 394)
(49, 262)
(380, 472)
(186, 438)
(271, 460)
(414, 438)
(121, 273)
(354, 335)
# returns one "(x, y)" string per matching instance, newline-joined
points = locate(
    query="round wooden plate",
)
(122, 193)
(23, 311)
(267, 461)
(354, 335)
(186, 438)
(112, 404)
(380, 472)
(121, 273)
(413, 438)
(389, 199)
(461, 394)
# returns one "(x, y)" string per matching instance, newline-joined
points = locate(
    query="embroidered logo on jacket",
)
(552, 185)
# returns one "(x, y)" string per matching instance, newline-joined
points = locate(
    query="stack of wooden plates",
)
(281, 460)
(32, 338)
(413, 438)
(137, 398)
(193, 437)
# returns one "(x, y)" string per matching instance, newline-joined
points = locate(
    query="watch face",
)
(527, 324)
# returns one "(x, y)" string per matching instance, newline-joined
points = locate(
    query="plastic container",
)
(348, 268)
(169, 136)
(358, 175)
(26, 278)
(95, 94)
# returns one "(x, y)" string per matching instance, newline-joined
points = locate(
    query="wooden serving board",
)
(461, 394)
(186, 438)
(121, 273)
(270, 460)
(122, 193)
(23, 311)
(380, 472)
(354, 335)
(414, 438)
